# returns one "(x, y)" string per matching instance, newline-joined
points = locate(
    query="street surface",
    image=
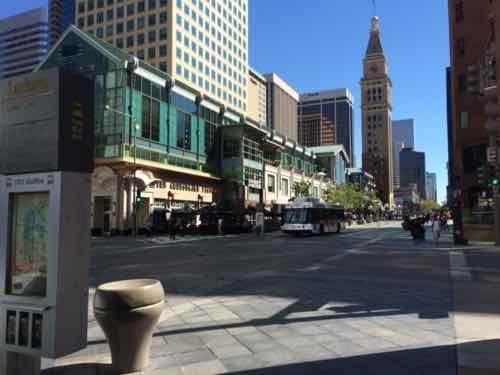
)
(367, 301)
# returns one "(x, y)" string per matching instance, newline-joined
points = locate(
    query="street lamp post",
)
(131, 65)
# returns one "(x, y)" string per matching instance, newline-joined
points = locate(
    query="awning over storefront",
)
(146, 177)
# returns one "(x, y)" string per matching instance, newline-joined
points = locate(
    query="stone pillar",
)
(127, 207)
(119, 199)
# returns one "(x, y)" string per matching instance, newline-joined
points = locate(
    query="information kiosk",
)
(46, 160)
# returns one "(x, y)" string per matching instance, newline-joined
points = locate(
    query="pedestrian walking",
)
(173, 228)
(436, 228)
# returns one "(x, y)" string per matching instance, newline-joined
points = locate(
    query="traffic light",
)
(474, 79)
(481, 175)
(138, 198)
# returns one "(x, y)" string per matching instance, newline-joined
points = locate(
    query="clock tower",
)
(376, 108)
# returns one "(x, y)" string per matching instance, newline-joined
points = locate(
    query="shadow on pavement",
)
(439, 360)
(81, 369)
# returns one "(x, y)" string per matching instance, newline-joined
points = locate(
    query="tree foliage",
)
(302, 189)
(351, 197)
(428, 206)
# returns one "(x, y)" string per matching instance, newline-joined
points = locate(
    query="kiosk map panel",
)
(28, 244)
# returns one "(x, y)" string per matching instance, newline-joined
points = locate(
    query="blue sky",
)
(319, 44)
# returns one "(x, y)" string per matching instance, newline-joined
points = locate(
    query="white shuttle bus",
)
(310, 216)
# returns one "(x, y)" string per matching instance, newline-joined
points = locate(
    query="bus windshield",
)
(297, 216)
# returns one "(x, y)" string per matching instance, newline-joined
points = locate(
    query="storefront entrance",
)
(102, 214)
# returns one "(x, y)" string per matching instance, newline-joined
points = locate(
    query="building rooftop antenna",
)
(374, 7)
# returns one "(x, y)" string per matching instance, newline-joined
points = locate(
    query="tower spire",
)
(375, 45)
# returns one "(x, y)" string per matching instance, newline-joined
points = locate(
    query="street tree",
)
(302, 189)
(351, 198)
(427, 206)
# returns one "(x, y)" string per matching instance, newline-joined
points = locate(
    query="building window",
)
(152, 19)
(140, 54)
(109, 30)
(163, 17)
(163, 33)
(81, 7)
(460, 47)
(90, 20)
(119, 28)
(130, 25)
(163, 3)
(152, 36)
(271, 183)
(119, 43)
(140, 23)
(464, 120)
(151, 52)
(109, 15)
(100, 32)
(130, 9)
(81, 22)
(462, 84)
(130, 41)
(140, 39)
(183, 130)
(100, 3)
(140, 7)
(163, 51)
(163, 66)
(152, 4)
(119, 12)
(90, 5)
(284, 186)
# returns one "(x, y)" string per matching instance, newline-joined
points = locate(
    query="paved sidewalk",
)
(477, 322)
(369, 301)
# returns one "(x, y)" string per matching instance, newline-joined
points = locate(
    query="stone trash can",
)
(128, 312)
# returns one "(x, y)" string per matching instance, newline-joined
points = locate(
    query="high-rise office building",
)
(327, 118)
(403, 136)
(412, 170)
(257, 97)
(376, 88)
(431, 186)
(201, 43)
(282, 107)
(23, 42)
(61, 15)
